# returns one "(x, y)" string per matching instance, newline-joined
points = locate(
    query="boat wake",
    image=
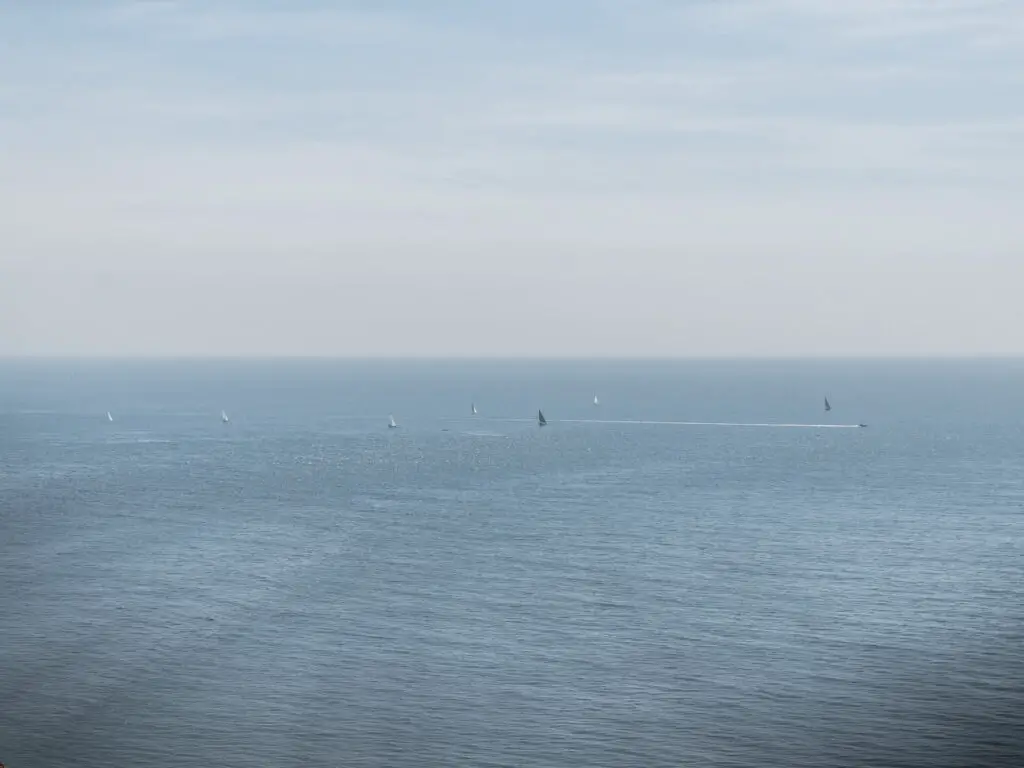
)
(713, 424)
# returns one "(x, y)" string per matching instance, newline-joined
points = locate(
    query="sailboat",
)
(541, 421)
(827, 406)
(596, 401)
(391, 423)
(109, 417)
(224, 417)
(473, 408)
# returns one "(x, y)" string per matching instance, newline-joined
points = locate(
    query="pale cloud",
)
(211, 22)
(959, 20)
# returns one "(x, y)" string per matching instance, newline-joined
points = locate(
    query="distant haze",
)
(456, 178)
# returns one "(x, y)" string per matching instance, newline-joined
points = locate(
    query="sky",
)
(708, 178)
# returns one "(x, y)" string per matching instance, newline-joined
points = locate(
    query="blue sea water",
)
(304, 587)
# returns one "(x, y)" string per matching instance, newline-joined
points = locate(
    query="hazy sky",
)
(566, 177)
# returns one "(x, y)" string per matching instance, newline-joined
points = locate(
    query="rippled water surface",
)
(304, 587)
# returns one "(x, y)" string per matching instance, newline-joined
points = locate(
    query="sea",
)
(706, 569)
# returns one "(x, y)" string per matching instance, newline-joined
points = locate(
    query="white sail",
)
(596, 401)
(391, 422)
(473, 407)
(224, 417)
(109, 417)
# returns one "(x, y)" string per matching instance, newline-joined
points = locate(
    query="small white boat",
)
(109, 417)
(224, 417)
(472, 407)
(391, 423)
(596, 402)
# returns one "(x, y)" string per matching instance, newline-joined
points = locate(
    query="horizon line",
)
(1015, 357)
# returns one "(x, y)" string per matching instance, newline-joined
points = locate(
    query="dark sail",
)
(540, 418)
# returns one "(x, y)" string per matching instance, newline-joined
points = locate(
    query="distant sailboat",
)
(541, 421)
(473, 408)
(391, 423)
(827, 406)
(224, 417)
(596, 401)
(109, 417)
